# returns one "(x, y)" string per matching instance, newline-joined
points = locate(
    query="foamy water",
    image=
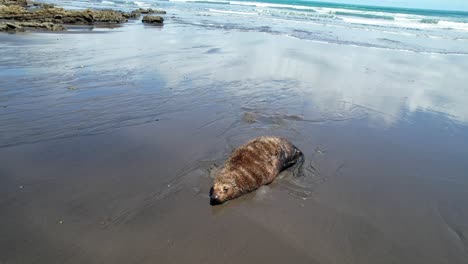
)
(368, 17)
(442, 31)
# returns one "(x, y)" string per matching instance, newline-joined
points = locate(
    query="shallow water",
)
(107, 143)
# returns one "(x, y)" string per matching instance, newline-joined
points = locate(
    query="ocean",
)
(385, 27)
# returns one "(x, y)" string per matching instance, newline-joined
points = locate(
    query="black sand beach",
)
(107, 142)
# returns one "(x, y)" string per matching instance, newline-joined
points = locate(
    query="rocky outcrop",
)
(138, 12)
(12, 12)
(132, 15)
(157, 20)
(16, 15)
(151, 11)
(23, 3)
(61, 16)
(8, 27)
(21, 26)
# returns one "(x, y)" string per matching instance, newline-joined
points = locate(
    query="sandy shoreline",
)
(106, 142)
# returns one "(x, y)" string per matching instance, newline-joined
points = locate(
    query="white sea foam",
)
(142, 4)
(232, 12)
(453, 25)
(407, 23)
(255, 4)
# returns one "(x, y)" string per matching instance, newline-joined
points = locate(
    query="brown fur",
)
(252, 165)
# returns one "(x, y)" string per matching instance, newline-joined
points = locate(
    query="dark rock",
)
(43, 26)
(137, 13)
(108, 16)
(13, 27)
(153, 20)
(21, 26)
(62, 16)
(131, 15)
(145, 11)
(151, 11)
(10, 27)
(23, 3)
(40, 5)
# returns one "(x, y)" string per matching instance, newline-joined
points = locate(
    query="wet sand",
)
(107, 142)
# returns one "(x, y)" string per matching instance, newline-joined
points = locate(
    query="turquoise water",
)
(356, 10)
(367, 8)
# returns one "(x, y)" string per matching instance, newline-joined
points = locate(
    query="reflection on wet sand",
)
(384, 135)
(250, 70)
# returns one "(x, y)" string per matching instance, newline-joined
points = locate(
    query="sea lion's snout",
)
(221, 192)
(214, 200)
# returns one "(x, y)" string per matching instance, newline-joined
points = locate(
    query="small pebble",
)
(21, 187)
(60, 222)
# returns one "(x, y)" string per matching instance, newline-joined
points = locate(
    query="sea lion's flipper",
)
(296, 162)
(296, 168)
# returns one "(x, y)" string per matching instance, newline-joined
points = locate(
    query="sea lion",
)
(253, 165)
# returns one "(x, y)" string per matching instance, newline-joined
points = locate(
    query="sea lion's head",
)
(222, 192)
